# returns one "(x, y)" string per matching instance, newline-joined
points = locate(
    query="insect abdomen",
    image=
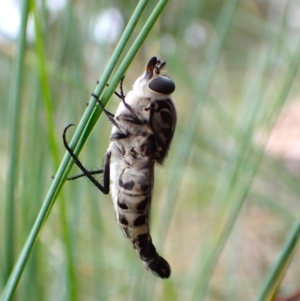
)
(132, 202)
(136, 227)
(155, 263)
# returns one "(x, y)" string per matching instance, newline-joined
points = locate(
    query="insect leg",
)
(109, 115)
(92, 172)
(135, 118)
(122, 97)
(103, 188)
(116, 93)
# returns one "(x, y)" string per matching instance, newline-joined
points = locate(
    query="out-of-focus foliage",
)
(228, 196)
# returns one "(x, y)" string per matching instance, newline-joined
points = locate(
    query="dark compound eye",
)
(162, 85)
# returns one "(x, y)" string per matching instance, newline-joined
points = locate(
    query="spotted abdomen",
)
(132, 194)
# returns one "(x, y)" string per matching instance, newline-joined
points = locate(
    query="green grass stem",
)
(13, 169)
(48, 101)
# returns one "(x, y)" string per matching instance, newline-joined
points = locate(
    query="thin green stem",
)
(45, 87)
(15, 100)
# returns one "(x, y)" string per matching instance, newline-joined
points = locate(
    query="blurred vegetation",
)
(225, 212)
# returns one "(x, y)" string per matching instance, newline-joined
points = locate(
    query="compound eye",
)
(162, 85)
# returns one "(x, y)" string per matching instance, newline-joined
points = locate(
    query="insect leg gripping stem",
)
(122, 96)
(92, 172)
(109, 115)
(106, 171)
(127, 106)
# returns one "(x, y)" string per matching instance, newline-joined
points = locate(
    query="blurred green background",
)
(226, 199)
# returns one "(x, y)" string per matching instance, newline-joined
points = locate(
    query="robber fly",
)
(142, 131)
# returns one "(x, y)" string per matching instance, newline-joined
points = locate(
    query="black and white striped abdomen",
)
(132, 176)
(162, 122)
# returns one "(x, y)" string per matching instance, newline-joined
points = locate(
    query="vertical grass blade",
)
(46, 93)
(14, 114)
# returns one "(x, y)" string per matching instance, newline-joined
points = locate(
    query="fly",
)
(142, 131)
